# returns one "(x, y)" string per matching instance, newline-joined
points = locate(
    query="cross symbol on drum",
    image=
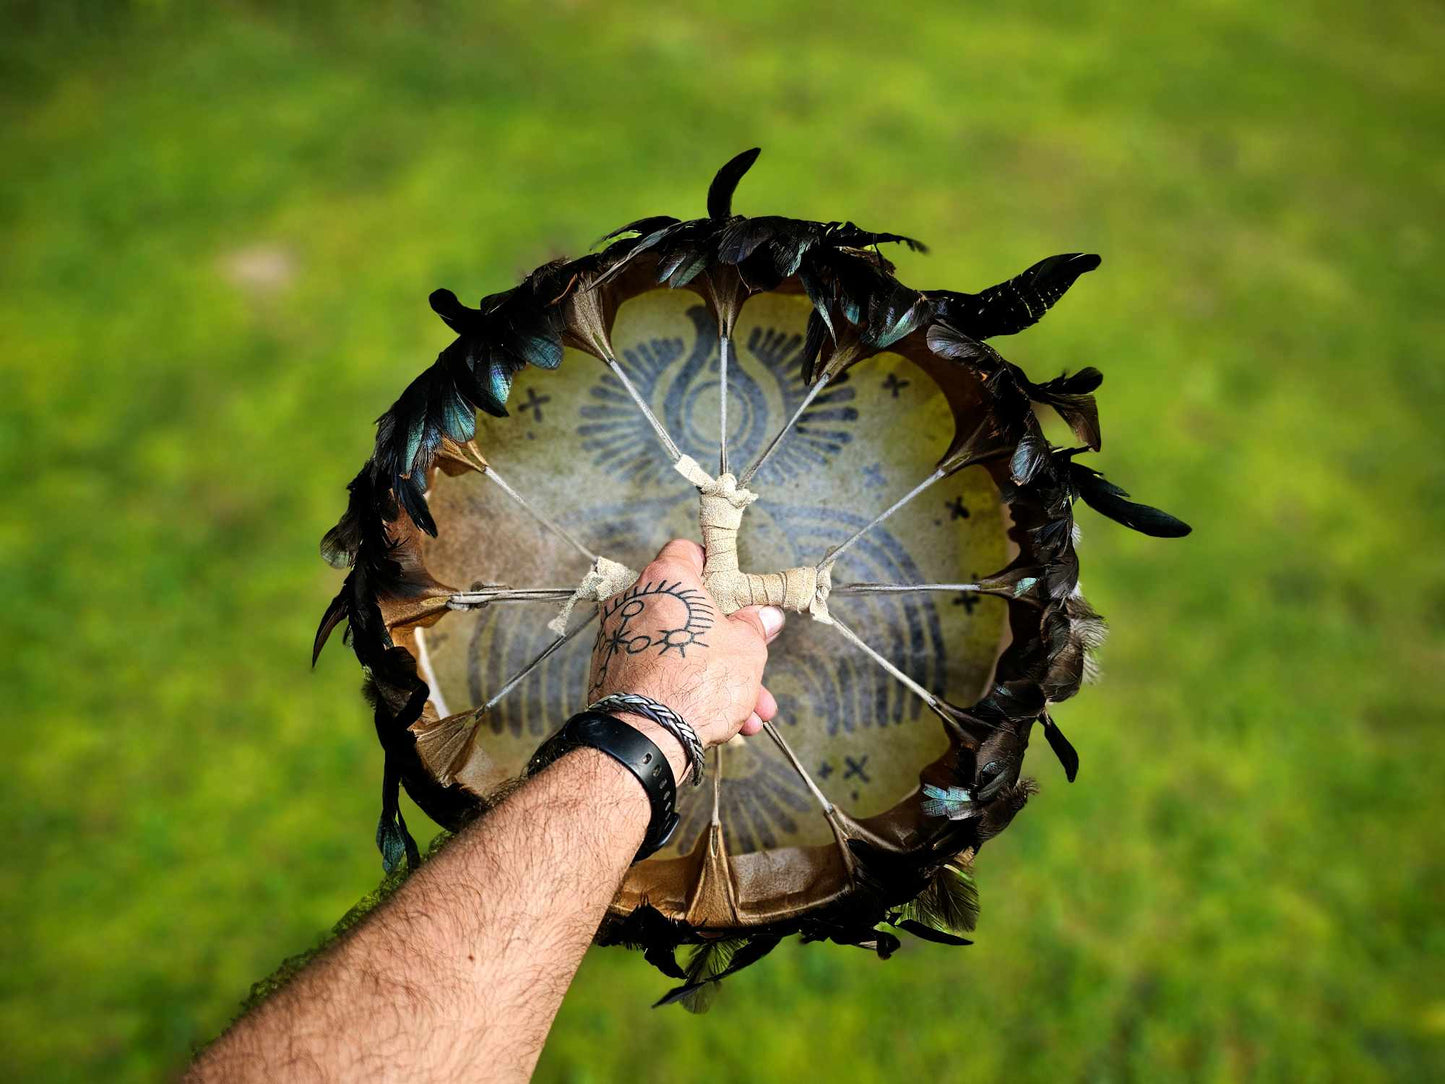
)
(893, 384)
(534, 404)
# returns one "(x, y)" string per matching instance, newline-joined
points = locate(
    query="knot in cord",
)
(603, 580)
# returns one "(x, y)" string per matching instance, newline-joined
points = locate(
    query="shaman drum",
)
(882, 471)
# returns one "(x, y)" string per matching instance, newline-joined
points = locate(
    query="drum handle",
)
(721, 503)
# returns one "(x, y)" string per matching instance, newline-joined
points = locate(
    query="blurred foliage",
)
(218, 227)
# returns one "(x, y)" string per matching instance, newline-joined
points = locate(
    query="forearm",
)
(459, 974)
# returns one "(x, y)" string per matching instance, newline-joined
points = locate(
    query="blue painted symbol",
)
(534, 404)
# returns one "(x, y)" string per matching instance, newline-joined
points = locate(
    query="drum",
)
(882, 471)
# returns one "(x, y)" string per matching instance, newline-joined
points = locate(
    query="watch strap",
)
(635, 752)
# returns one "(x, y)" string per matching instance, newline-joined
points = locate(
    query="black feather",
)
(1054, 536)
(742, 236)
(509, 331)
(948, 342)
(1009, 702)
(453, 313)
(1002, 810)
(683, 248)
(720, 192)
(410, 432)
(787, 247)
(712, 962)
(1085, 381)
(1018, 303)
(339, 545)
(639, 246)
(361, 538)
(812, 345)
(948, 904)
(882, 942)
(1109, 500)
(821, 301)
(1062, 747)
(885, 873)
(847, 235)
(1071, 632)
(334, 615)
(855, 282)
(397, 696)
(928, 933)
(1028, 459)
(682, 265)
(871, 938)
(1071, 397)
(1005, 381)
(394, 840)
(893, 315)
(664, 958)
(642, 227)
(707, 961)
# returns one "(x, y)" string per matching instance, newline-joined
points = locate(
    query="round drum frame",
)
(900, 866)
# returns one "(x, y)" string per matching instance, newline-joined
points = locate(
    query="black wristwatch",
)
(635, 752)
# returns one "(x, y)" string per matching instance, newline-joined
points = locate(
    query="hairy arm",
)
(464, 967)
(459, 974)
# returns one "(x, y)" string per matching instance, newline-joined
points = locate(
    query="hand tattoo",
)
(657, 615)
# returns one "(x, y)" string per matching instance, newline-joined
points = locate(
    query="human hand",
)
(665, 638)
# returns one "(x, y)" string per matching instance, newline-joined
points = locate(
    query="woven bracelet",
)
(664, 717)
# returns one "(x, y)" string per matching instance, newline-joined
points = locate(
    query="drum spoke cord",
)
(603, 580)
(903, 588)
(772, 731)
(486, 595)
(942, 708)
(783, 432)
(857, 641)
(542, 656)
(951, 464)
(838, 550)
(830, 813)
(446, 744)
(722, 366)
(717, 786)
(537, 514)
(663, 436)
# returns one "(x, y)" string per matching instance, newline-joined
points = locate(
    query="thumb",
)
(766, 621)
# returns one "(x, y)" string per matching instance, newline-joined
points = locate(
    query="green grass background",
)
(218, 227)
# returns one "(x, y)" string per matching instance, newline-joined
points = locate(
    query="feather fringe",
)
(710, 963)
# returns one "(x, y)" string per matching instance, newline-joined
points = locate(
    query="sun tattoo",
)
(683, 613)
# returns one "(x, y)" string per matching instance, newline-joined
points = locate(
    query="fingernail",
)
(772, 619)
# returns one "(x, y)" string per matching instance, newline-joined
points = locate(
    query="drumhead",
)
(578, 447)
